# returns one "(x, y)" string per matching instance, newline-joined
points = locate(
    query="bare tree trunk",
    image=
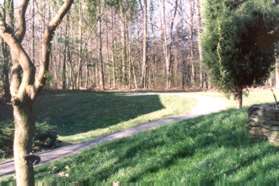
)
(167, 48)
(134, 75)
(24, 130)
(108, 54)
(199, 30)
(165, 45)
(129, 60)
(102, 76)
(184, 74)
(79, 75)
(112, 49)
(144, 45)
(124, 46)
(64, 65)
(192, 13)
(25, 86)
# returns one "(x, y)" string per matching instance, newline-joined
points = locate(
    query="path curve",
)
(205, 105)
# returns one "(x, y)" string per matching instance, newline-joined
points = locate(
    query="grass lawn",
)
(254, 96)
(80, 116)
(214, 149)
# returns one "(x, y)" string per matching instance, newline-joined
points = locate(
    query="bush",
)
(6, 140)
(45, 138)
(238, 44)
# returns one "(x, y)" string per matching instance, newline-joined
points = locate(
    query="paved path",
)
(205, 105)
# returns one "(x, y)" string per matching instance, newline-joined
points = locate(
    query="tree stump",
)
(264, 122)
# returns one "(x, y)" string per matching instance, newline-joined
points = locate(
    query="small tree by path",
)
(25, 84)
(238, 43)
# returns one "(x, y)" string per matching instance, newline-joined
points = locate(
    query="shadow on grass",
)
(203, 150)
(76, 112)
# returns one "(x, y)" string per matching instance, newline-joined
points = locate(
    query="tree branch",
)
(20, 22)
(20, 56)
(46, 43)
(20, 59)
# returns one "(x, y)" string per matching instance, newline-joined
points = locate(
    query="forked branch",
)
(46, 43)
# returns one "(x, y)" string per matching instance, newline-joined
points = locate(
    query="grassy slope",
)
(207, 150)
(82, 116)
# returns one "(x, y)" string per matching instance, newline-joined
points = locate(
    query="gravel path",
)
(206, 105)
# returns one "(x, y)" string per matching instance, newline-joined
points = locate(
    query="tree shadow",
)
(74, 112)
(212, 138)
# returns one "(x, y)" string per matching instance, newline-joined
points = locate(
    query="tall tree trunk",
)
(124, 45)
(112, 49)
(192, 13)
(199, 30)
(130, 79)
(102, 76)
(167, 48)
(64, 65)
(144, 45)
(107, 50)
(79, 75)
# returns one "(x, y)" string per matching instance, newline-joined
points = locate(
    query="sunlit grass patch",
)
(214, 149)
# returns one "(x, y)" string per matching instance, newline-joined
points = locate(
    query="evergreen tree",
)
(238, 43)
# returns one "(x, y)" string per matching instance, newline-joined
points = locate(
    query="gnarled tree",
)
(26, 84)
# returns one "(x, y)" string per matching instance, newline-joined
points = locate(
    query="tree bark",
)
(165, 44)
(64, 65)
(192, 13)
(144, 45)
(102, 73)
(168, 46)
(25, 86)
(124, 44)
(112, 49)
(199, 30)
(239, 98)
(24, 131)
(80, 57)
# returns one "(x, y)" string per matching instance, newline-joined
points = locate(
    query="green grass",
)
(214, 149)
(256, 96)
(79, 116)
(253, 96)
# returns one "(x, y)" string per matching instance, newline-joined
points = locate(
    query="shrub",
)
(238, 43)
(45, 138)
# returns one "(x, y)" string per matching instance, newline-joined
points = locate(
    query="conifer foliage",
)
(238, 42)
